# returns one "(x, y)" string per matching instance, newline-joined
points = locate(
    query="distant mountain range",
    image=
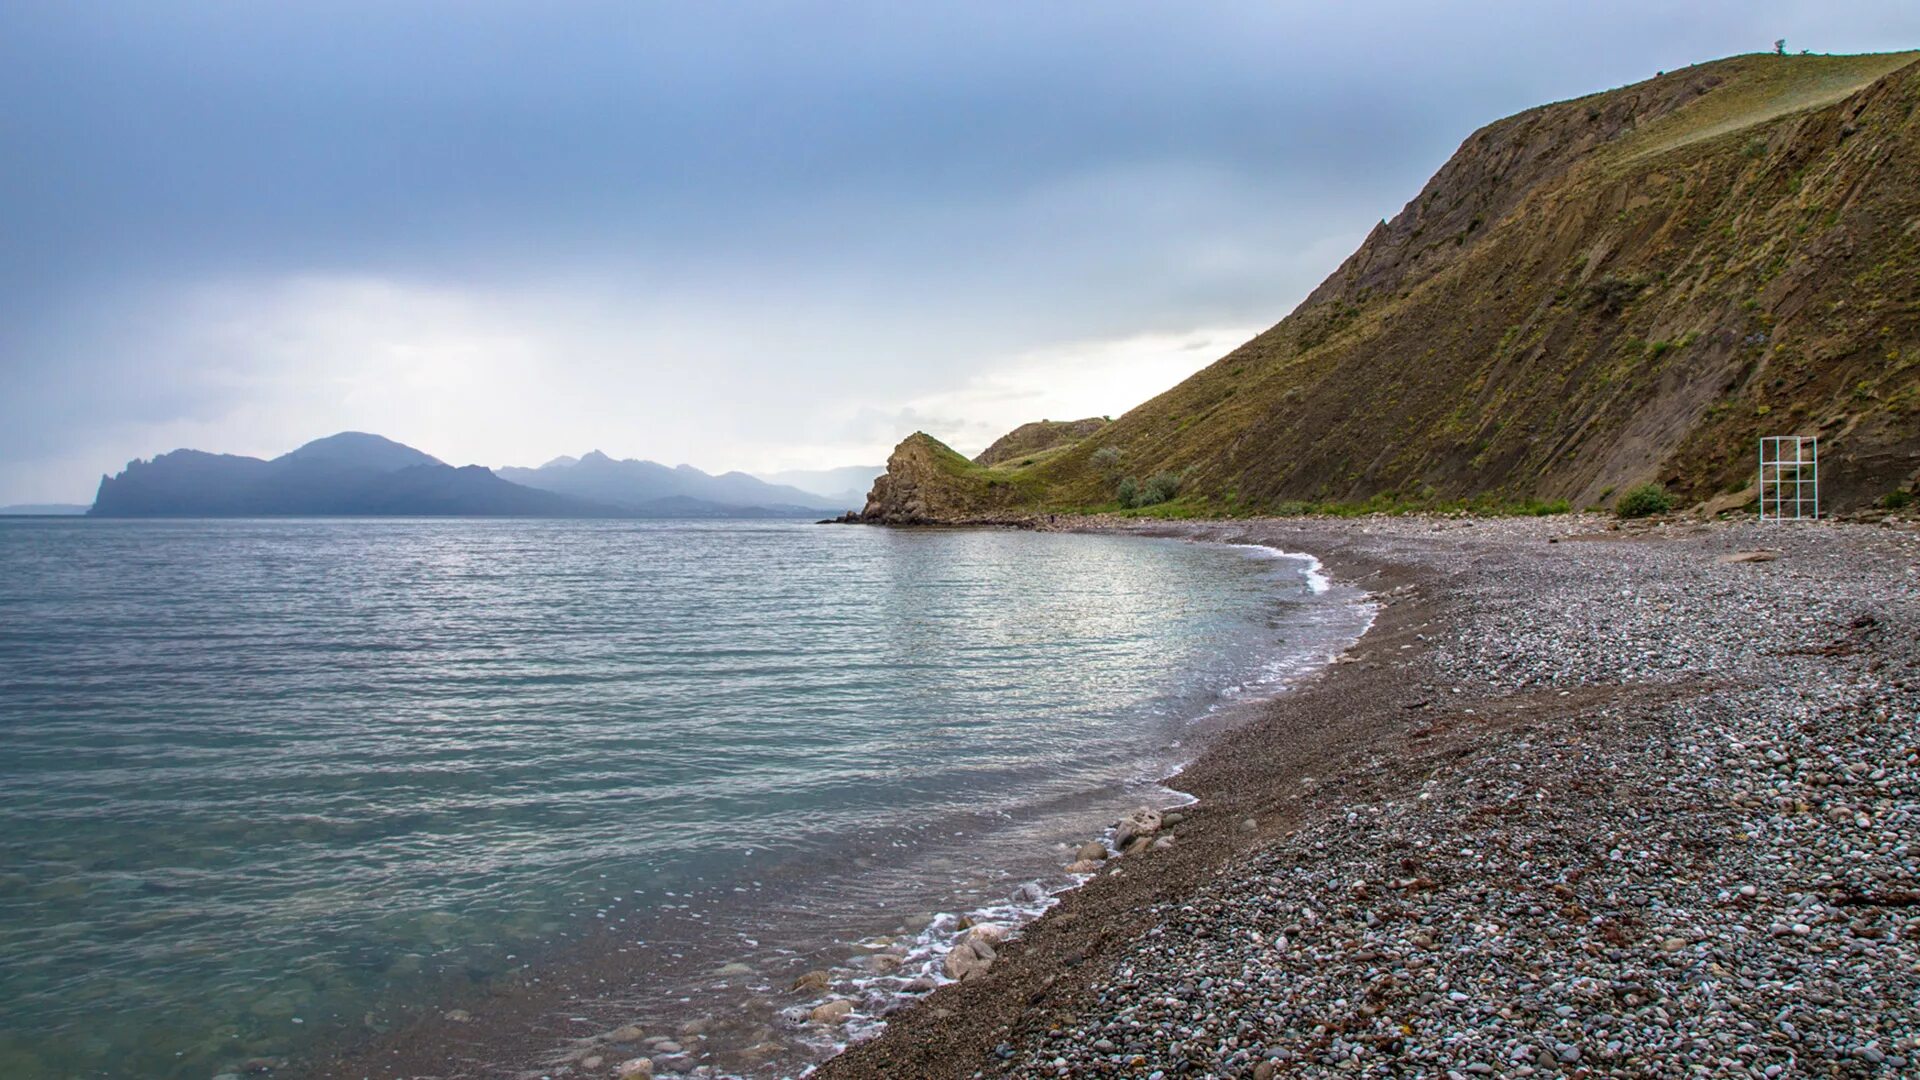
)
(649, 486)
(356, 474)
(846, 486)
(41, 510)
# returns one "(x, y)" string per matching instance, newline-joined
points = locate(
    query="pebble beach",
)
(1588, 800)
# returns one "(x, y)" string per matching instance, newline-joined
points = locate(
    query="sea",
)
(277, 791)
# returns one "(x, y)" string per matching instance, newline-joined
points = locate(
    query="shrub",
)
(1128, 492)
(1895, 500)
(1107, 460)
(1644, 501)
(1159, 488)
(1612, 293)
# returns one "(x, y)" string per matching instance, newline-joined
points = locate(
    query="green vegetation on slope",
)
(1024, 444)
(1625, 288)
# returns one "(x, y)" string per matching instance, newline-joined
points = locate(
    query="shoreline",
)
(948, 1034)
(1410, 707)
(559, 1016)
(1310, 915)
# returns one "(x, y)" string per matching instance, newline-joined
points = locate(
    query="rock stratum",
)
(1627, 287)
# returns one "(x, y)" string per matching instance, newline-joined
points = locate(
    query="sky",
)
(753, 235)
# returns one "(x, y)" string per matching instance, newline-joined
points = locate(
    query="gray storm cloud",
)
(750, 235)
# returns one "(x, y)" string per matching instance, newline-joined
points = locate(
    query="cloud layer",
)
(753, 235)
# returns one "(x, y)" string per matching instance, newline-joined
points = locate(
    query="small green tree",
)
(1128, 492)
(1644, 501)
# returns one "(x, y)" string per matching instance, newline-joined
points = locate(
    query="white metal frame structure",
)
(1789, 477)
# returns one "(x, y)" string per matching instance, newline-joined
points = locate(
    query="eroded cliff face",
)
(927, 483)
(1626, 287)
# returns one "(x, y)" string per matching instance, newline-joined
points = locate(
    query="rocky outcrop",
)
(928, 482)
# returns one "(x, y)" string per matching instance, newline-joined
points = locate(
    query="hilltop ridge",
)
(1629, 286)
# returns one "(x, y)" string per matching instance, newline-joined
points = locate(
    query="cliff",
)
(1630, 286)
(928, 482)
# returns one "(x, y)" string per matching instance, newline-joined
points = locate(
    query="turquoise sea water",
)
(268, 784)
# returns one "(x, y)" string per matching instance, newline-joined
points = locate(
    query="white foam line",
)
(1317, 580)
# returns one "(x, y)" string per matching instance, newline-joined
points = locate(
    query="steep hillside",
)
(1039, 437)
(1629, 286)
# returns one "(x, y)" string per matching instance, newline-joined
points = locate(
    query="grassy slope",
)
(1028, 441)
(1628, 286)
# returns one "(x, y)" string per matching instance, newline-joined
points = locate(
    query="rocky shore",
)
(1586, 801)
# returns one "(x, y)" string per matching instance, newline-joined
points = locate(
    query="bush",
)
(1612, 293)
(1159, 488)
(1107, 460)
(1895, 500)
(1644, 501)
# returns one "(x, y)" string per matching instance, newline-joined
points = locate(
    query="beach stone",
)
(963, 963)
(761, 1051)
(634, 1067)
(592, 1062)
(733, 970)
(1084, 866)
(991, 933)
(1143, 821)
(1760, 555)
(631, 1033)
(458, 1016)
(878, 963)
(1091, 851)
(833, 1012)
(813, 982)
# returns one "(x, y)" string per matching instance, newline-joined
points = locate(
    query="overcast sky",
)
(741, 235)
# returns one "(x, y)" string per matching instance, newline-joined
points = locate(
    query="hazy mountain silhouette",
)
(640, 484)
(846, 486)
(361, 450)
(355, 474)
(347, 474)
